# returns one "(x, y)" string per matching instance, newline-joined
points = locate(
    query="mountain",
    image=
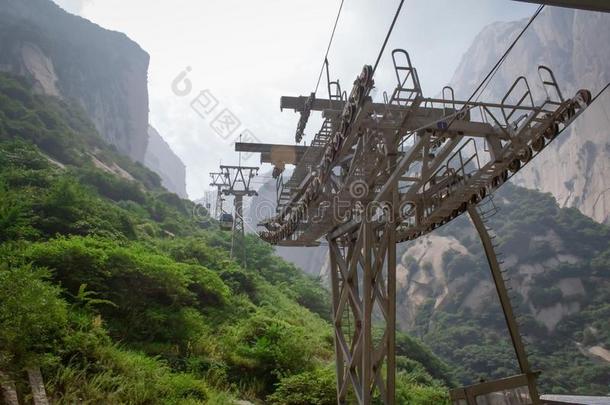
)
(160, 158)
(103, 71)
(67, 56)
(573, 43)
(115, 290)
(555, 258)
(556, 263)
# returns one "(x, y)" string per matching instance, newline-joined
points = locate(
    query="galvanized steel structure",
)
(380, 173)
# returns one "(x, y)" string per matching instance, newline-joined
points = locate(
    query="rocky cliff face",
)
(70, 57)
(161, 159)
(574, 44)
(555, 262)
(553, 257)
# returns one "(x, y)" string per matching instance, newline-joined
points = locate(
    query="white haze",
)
(249, 53)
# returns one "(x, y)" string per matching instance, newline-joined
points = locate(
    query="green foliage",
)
(113, 375)
(411, 392)
(32, 317)
(123, 295)
(414, 349)
(87, 298)
(560, 247)
(147, 288)
(308, 388)
(111, 186)
(545, 297)
(15, 217)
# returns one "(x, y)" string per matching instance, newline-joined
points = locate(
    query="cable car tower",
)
(237, 183)
(381, 173)
(218, 181)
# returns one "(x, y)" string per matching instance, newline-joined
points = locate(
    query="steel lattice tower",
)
(380, 173)
(238, 184)
(218, 181)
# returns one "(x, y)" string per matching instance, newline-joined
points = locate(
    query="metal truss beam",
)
(363, 278)
(238, 179)
(237, 183)
(428, 160)
(218, 181)
(507, 309)
(593, 5)
(274, 154)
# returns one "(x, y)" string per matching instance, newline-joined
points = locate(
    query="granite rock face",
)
(161, 159)
(70, 57)
(574, 44)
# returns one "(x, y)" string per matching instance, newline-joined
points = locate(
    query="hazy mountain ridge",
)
(445, 291)
(574, 45)
(68, 56)
(556, 266)
(104, 71)
(160, 158)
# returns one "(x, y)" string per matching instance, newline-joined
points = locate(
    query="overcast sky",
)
(246, 54)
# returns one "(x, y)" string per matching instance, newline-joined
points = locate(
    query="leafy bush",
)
(112, 186)
(309, 388)
(148, 289)
(545, 297)
(94, 260)
(268, 349)
(32, 317)
(411, 392)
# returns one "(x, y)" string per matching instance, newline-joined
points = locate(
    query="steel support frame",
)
(219, 201)
(236, 182)
(238, 237)
(218, 181)
(507, 309)
(363, 278)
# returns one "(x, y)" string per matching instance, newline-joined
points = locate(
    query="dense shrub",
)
(308, 388)
(32, 317)
(124, 293)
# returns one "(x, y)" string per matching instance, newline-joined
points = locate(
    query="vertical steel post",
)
(218, 207)
(368, 302)
(507, 308)
(364, 282)
(391, 321)
(337, 319)
(238, 240)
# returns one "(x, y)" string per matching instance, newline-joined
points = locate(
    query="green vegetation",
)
(124, 293)
(556, 247)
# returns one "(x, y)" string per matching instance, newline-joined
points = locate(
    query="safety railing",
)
(408, 89)
(508, 391)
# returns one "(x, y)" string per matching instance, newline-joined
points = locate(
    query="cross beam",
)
(272, 153)
(237, 180)
(218, 181)
(593, 5)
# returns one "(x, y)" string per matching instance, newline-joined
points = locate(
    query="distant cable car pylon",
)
(218, 181)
